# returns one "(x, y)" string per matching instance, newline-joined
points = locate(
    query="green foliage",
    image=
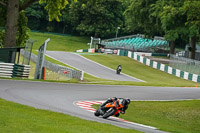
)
(22, 33)
(2, 15)
(175, 18)
(37, 16)
(2, 34)
(171, 35)
(2, 23)
(191, 9)
(139, 18)
(98, 18)
(54, 7)
(171, 19)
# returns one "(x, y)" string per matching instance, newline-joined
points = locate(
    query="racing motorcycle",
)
(110, 109)
(119, 68)
(118, 71)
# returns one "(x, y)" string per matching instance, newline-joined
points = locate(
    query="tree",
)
(172, 20)
(191, 10)
(2, 23)
(37, 17)
(97, 18)
(164, 17)
(139, 19)
(15, 6)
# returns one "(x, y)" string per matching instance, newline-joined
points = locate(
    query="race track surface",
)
(61, 97)
(89, 66)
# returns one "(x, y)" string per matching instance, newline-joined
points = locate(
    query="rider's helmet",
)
(127, 101)
(114, 99)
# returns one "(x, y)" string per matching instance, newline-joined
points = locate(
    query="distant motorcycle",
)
(119, 68)
(110, 109)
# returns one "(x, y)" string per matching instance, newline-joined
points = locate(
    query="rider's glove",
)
(123, 112)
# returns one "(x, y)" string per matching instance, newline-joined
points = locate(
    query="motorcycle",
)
(110, 109)
(118, 71)
(119, 68)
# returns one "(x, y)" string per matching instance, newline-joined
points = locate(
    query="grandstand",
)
(135, 43)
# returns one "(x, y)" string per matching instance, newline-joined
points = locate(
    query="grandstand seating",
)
(136, 43)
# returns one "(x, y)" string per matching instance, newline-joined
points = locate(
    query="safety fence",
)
(185, 64)
(9, 70)
(176, 72)
(59, 71)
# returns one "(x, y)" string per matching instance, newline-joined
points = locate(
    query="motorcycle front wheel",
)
(110, 112)
(97, 112)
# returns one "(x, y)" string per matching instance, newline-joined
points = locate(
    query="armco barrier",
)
(9, 70)
(21, 71)
(160, 66)
(6, 70)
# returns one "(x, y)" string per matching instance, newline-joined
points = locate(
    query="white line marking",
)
(110, 68)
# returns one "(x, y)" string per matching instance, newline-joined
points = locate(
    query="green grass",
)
(23, 119)
(171, 116)
(133, 68)
(60, 43)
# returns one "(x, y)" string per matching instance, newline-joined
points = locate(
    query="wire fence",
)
(185, 64)
(27, 52)
(58, 72)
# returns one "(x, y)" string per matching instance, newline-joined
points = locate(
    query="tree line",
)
(176, 20)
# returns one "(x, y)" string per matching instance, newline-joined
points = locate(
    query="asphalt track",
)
(89, 66)
(60, 97)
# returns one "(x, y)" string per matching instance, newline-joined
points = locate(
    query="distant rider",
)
(119, 69)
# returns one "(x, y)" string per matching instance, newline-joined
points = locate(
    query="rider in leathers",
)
(126, 102)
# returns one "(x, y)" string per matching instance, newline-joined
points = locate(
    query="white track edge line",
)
(109, 68)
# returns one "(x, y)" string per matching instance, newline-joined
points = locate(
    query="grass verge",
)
(60, 43)
(171, 116)
(20, 118)
(138, 70)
